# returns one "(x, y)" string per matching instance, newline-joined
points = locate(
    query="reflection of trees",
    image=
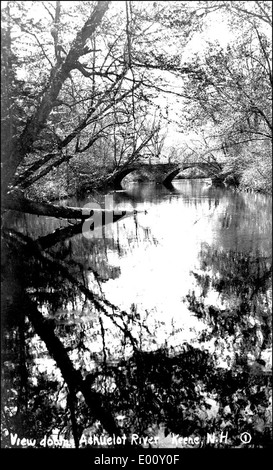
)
(154, 387)
(178, 388)
(56, 320)
(239, 328)
(243, 284)
(36, 285)
(234, 226)
(71, 358)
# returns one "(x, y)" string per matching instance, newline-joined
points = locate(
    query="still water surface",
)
(160, 250)
(189, 277)
(150, 262)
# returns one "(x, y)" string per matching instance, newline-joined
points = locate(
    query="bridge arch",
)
(171, 176)
(164, 173)
(120, 175)
(205, 168)
(158, 171)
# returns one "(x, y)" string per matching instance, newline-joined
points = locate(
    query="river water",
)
(148, 263)
(191, 267)
(162, 249)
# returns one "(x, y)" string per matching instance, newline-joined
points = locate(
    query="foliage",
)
(225, 88)
(90, 91)
(69, 105)
(230, 91)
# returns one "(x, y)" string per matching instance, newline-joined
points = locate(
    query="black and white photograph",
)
(136, 252)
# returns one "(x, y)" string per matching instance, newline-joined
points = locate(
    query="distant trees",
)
(224, 92)
(230, 94)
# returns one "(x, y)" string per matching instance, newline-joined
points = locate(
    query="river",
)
(191, 268)
(150, 262)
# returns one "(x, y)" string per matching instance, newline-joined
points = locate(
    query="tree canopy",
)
(81, 82)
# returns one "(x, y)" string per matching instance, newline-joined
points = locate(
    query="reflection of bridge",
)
(164, 172)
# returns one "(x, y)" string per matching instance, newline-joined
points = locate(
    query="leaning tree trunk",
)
(23, 145)
(19, 203)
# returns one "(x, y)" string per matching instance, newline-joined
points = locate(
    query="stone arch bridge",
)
(164, 172)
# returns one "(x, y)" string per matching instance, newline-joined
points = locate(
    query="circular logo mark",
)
(245, 437)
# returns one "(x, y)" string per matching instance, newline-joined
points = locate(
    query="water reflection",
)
(164, 320)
